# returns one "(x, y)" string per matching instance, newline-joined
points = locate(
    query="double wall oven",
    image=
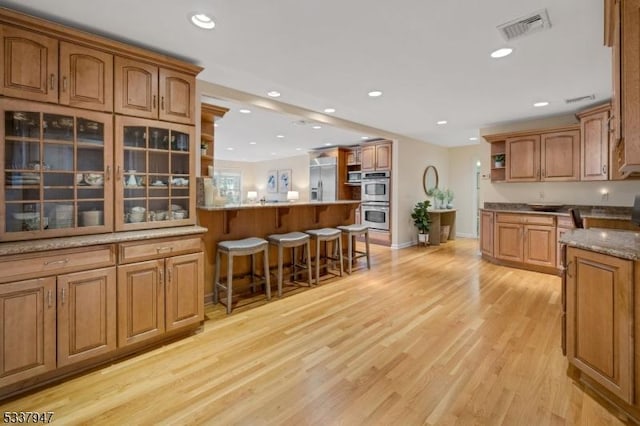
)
(376, 189)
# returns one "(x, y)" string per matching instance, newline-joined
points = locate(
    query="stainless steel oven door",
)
(376, 216)
(376, 190)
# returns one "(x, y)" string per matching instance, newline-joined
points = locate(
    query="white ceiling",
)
(430, 58)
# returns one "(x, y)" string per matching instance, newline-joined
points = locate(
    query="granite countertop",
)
(285, 204)
(588, 212)
(21, 247)
(624, 244)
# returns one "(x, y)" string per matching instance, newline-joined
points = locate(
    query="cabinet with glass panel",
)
(155, 184)
(56, 171)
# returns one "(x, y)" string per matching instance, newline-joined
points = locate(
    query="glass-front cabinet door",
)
(56, 171)
(155, 184)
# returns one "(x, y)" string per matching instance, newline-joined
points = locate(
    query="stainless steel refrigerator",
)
(323, 174)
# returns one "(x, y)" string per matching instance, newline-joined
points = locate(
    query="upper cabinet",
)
(30, 65)
(537, 156)
(594, 143)
(208, 115)
(622, 32)
(376, 156)
(147, 91)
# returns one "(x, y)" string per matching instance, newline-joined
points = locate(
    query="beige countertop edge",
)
(583, 215)
(623, 244)
(20, 247)
(282, 205)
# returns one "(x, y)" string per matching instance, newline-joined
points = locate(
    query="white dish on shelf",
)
(159, 184)
(26, 215)
(93, 179)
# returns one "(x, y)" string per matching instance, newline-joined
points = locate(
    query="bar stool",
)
(326, 235)
(292, 240)
(245, 247)
(351, 232)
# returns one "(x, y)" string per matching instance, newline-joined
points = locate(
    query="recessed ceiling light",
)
(540, 104)
(441, 122)
(375, 93)
(215, 124)
(501, 53)
(328, 144)
(273, 94)
(229, 148)
(245, 111)
(273, 153)
(252, 143)
(279, 136)
(201, 20)
(473, 138)
(329, 110)
(298, 149)
(316, 127)
(364, 137)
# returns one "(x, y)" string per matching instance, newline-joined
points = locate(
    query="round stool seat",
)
(246, 244)
(288, 239)
(355, 228)
(324, 232)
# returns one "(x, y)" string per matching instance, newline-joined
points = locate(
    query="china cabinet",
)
(154, 174)
(56, 171)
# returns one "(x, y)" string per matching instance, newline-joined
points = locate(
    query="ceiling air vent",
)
(580, 99)
(525, 25)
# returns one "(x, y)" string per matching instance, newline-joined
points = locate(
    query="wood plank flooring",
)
(428, 336)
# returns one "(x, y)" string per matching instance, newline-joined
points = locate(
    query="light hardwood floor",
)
(427, 336)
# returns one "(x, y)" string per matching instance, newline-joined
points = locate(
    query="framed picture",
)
(272, 181)
(284, 181)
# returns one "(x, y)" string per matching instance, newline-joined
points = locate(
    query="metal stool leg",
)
(340, 254)
(229, 281)
(366, 242)
(216, 278)
(317, 261)
(349, 251)
(309, 270)
(280, 261)
(266, 272)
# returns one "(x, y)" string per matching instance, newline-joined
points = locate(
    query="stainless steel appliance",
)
(323, 178)
(376, 216)
(354, 176)
(376, 186)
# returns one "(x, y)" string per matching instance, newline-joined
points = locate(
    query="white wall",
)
(254, 175)
(462, 181)
(410, 158)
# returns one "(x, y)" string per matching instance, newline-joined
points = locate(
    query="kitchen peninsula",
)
(232, 222)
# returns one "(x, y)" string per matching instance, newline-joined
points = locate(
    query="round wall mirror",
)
(430, 180)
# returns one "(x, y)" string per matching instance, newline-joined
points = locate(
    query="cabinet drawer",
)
(145, 250)
(509, 218)
(34, 265)
(539, 220)
(565, 222)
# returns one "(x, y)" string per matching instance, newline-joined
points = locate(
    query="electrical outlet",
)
(605, 196)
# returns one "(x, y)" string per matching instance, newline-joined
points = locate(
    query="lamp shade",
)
(252, 195)
(293, 195)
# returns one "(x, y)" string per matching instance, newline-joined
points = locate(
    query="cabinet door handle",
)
(118, 172)
(55, 262)
(64, 83)
(162, 103)
(568, 269)
(63, 296)
(154, 102)
(161, 277)
(169, 276)
(609, 126)
(108, 173)
(49, 298)
(52, 81)
(604, 169)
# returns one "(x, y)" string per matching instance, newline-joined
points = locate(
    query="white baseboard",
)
(403, 245)
(463, 235)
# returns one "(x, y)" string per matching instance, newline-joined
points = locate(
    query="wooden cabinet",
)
(600, 319)
(30, 65)
(86, 77)
(208, 115)
(28, 332)
(159, 295)
(486, 233)
(353, 156)
(522, 156)
(560, 156)
(564, 224)
(594, 143)
(55, 171)
(148, 91)
(553, 156)
(86, 315)
(623, 24)
(376, 156)
(155, 174)
(525, 238)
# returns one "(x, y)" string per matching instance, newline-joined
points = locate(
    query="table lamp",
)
(252, 196)
(293, 196)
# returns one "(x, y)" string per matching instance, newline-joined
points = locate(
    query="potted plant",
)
(449, 196)
(422, 220)
(203, 148)
(440, 196)
(498, 161)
